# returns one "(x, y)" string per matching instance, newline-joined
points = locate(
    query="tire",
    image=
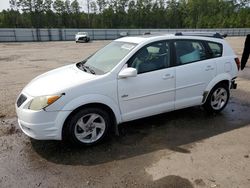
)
(88, 126)
(87, 40)
(217, 99)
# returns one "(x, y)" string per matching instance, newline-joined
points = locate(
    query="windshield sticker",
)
(127, 46)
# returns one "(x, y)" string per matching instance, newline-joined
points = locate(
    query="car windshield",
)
(81, 33)
(108, 57)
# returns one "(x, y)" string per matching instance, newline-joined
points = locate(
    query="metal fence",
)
(30, 34)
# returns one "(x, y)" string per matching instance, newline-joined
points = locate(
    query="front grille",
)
(22, 98)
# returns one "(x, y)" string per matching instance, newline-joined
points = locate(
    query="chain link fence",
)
(32, 34)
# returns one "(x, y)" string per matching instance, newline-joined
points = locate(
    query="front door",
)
(152, 91)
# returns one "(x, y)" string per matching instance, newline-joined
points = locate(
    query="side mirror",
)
(128, 72)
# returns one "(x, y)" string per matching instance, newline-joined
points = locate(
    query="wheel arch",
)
(92, 105)
(94, 100)
(221, 79)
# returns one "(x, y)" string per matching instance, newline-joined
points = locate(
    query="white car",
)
(130, 78)
(82, 37)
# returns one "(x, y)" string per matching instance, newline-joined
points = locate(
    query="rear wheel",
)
(88, 126)
(217, 99)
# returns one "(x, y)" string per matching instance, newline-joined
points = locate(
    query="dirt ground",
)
(181, 149)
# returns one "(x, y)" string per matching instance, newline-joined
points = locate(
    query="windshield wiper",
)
(90, 70)
(85, 67)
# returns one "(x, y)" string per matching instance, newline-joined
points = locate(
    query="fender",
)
(83, 100)
(212, 83)
(94, 98)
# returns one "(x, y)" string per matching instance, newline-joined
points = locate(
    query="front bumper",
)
(41, 125)
(43, 131)
(82, 38)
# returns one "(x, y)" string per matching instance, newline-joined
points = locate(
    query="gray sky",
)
(4, 4)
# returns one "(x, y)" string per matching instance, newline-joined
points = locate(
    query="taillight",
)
(237, 61)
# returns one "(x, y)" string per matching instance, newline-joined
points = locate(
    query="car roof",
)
(82, 32)
(142, 38)
(162, 36)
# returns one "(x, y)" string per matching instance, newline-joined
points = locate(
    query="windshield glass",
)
(82, 33)
(108, 57)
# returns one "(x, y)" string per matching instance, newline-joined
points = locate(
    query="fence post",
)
(49, 33)
(60, 34)
(32, 32)
(38, 34)
(14, 31)
(65, 36)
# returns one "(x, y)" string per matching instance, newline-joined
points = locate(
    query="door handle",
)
(167, 76)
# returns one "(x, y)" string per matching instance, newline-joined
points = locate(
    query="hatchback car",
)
(130, 78)
(82, 37)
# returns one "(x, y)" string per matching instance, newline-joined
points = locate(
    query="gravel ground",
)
(181, 149)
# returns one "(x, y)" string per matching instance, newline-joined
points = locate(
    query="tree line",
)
(126, 14)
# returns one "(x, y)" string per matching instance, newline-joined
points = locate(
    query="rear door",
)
(194, 71)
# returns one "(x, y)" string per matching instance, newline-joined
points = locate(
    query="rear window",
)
(216, 49)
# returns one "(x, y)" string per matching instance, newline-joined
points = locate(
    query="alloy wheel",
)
(90, 128)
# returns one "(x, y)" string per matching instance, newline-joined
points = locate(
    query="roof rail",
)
(202, 34)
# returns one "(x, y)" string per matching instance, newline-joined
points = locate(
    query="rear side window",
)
(188, 51)
(216, 49)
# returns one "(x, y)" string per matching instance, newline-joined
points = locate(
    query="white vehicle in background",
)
(123, 34)
(82, 37)
(130, 78)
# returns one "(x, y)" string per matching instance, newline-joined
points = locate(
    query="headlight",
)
(39, 103)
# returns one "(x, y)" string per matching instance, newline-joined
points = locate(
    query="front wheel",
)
(88, 126)
(87, 40)
(217, 98)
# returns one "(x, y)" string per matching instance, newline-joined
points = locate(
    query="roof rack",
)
(202, 34)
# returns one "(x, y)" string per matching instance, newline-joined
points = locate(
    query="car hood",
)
(57, 81)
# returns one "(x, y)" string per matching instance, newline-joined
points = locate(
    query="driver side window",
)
(152, 57)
